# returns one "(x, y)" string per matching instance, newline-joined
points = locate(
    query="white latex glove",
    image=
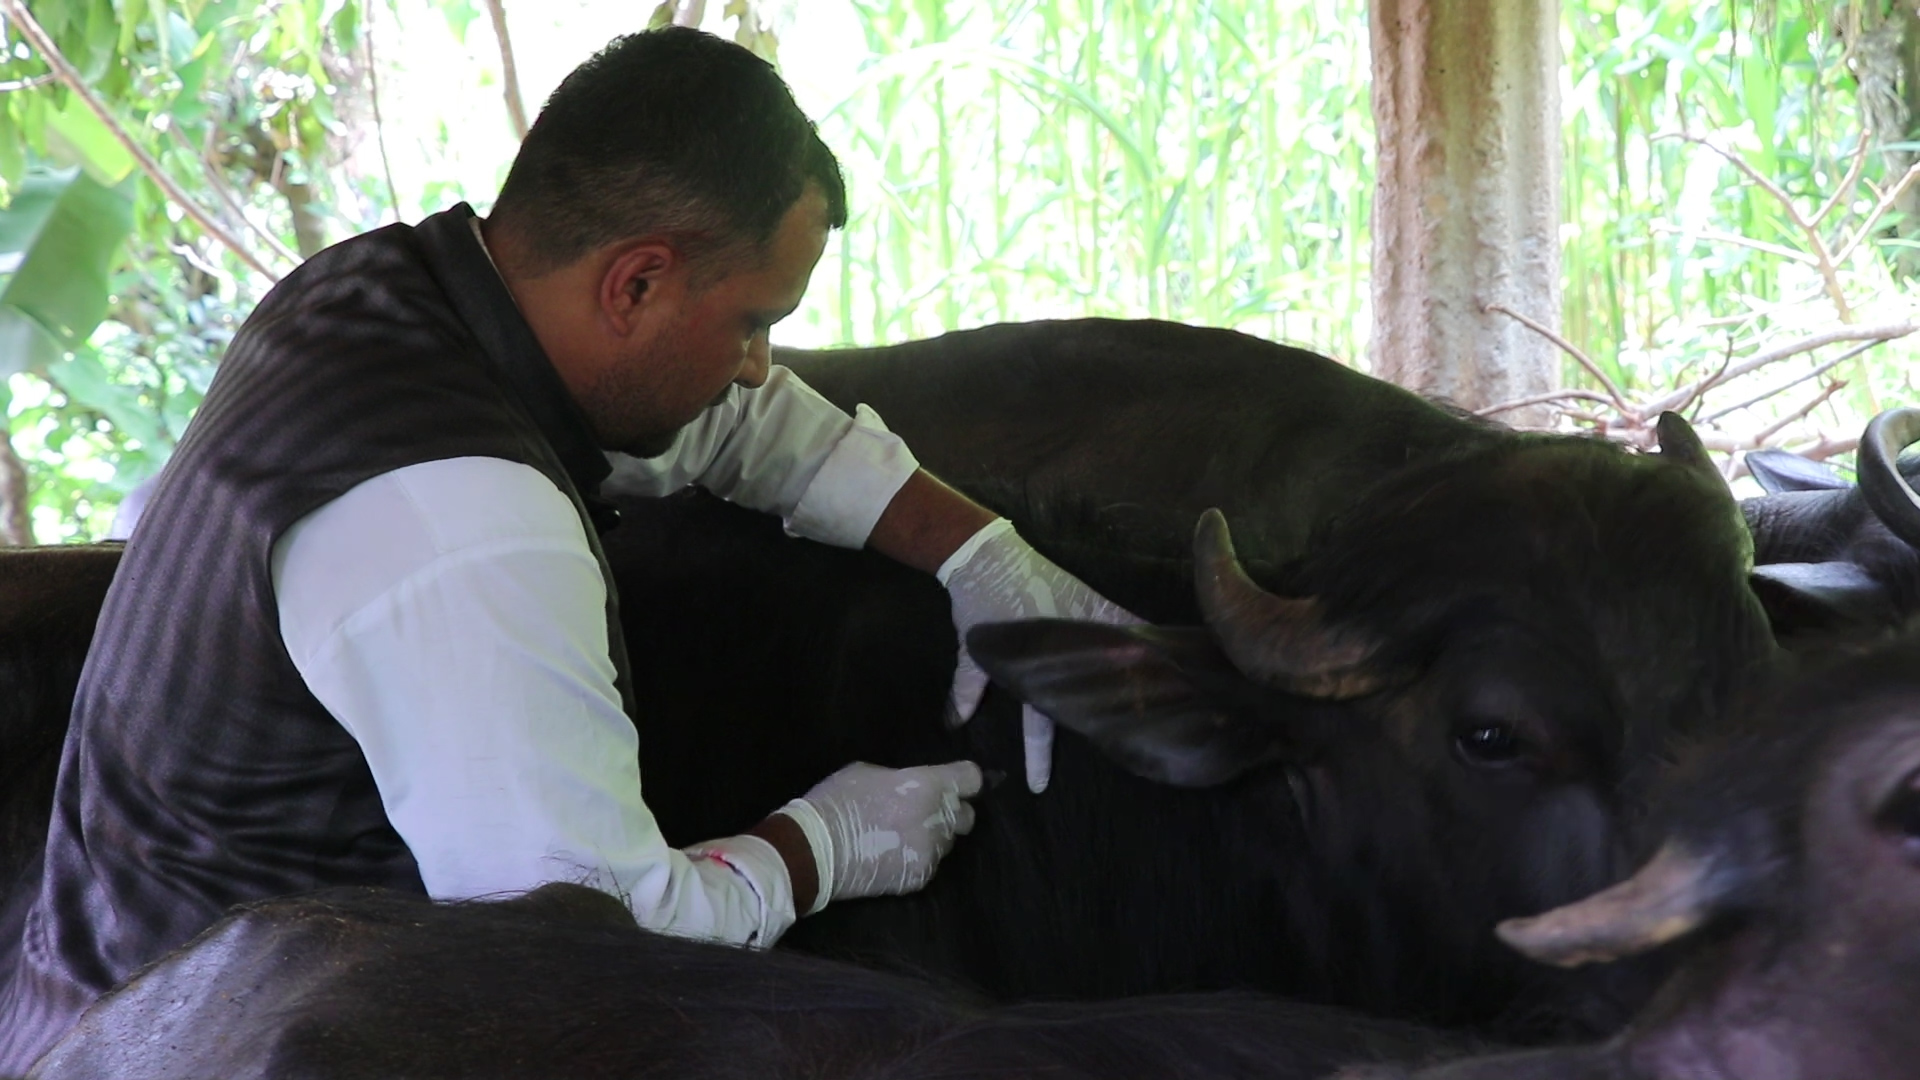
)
(878, 832)
(997, 577)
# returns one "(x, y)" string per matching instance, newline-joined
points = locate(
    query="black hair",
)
(671, 132)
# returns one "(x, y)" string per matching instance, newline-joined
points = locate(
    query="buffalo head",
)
(1464, 684)
(1786, 887)
(1830, 554)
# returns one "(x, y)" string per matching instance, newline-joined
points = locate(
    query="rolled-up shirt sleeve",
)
(451, 617)
(783, 449)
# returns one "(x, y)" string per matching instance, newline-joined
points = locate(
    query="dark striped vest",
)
(199, 771)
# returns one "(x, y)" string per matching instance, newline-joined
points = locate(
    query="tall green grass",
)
(1029, 158)
(1675, 258)
(1018, 159)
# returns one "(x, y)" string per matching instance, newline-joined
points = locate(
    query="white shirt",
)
(451, 617)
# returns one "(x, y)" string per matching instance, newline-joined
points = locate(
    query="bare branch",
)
(17, 13)
(1820, 449)
(1716, 236)
(1799, 414)
(1700, 388)
(1754, 314)
(1823, 257)
(1791, 383)
(1721, 443)
(1846, 182)
(228, 199)
(1883, 332)
(1824, 448)
(1618, 399)
(1879, 210)
(1544, 399)
(379, 124)
(31, 82)
(510, 72)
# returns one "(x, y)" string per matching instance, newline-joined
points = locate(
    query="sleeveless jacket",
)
(199, 772)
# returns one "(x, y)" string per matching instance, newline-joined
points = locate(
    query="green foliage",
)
(1012, 159)
(1015, 159)
(1677, 260)
(58, 240)
(236, 101)
(1008, 159)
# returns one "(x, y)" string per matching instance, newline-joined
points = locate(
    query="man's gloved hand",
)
(998, 577)
(876, 831)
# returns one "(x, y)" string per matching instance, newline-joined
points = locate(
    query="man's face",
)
(699, 340)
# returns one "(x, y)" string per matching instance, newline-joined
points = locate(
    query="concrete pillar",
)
(1466, 108)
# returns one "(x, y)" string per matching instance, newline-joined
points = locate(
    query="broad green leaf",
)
(1759, 83)
(30, 112)
(131, 12)
(182, 40)
(13, 153)
(54, 17)
(75, 136)
(188, 107)
(25, 345)
(103, 34)
(459, 15)
(85, 380)
(58, 239)
(346, 26)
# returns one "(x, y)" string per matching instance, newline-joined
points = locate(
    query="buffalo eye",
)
(1900, 816)
(1489, 744)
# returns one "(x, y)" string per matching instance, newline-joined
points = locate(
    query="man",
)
(364, 633)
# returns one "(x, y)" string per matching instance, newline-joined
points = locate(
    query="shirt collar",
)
(479, 296)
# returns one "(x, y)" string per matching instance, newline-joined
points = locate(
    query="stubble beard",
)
(625, 409)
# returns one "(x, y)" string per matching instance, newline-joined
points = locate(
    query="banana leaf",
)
(58, 239)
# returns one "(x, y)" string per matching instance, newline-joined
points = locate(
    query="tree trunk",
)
(1466, 213)
(309, 228)
(509, 69)
(1906, 260)
(16, 524)
(268, 167)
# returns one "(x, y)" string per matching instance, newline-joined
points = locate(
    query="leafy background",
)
(1732, 187)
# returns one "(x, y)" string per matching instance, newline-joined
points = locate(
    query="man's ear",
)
(635, 281)
(1163, 703)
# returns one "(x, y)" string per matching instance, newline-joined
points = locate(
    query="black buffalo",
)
(1834, 555)
(356, 983)
(1478, 649)
(1789, 877)
(1483, 645)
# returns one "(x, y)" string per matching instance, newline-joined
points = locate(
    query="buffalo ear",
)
(1779, 470)
(1164, 704)
(1820, 596)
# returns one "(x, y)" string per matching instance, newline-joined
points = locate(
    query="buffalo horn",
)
(1680, 442)
(1282, 641)
(1667, 899)
(1893, 499)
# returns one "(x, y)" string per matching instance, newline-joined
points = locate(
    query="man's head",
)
(668, 205)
